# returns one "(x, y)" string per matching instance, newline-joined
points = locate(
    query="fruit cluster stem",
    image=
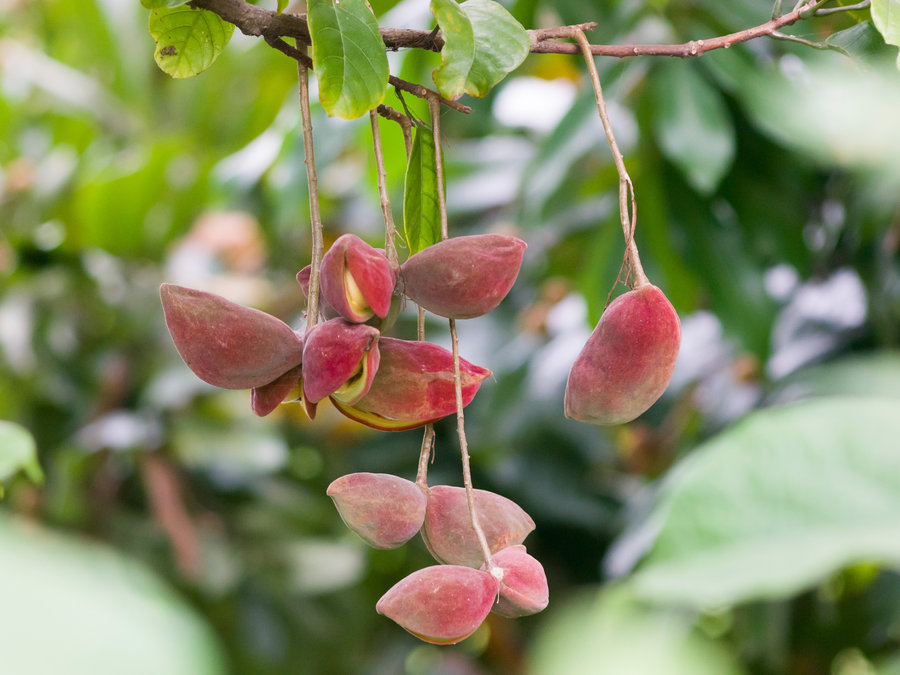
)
(390, 230)
(315, 219)
(434, 109)
(626, 187)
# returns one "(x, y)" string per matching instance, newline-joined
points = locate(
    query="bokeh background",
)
(174, 532)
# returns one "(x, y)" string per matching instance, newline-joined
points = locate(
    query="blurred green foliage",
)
(767, 185)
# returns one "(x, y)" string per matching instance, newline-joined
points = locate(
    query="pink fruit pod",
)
(266, 398)
(413, 386)
(385, 510)
(448, 531)
(442, 604)
(340, 359)
(463, 277)
(226, 344)
(523, 588)
(627, 362)
(356, 280)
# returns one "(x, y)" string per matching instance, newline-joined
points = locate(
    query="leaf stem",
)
(315, 219)
(632, 260)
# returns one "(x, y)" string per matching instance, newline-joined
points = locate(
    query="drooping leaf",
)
(106, 614)
(692, 124)
(188, 41)
(779, 502)
(421, 214)
(348, 56)
(886, 17)
(282, 5)
(482, 44)
(17, 453)
(859, 41)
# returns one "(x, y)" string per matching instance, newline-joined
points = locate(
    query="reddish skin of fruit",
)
(442, 604)
(370, 271)
(448, 531)
(332, 354)
(413, 386)
(627, 363)
(266, 398)
(463, 277)
(523, 589)
(226, 344)
(385, 510)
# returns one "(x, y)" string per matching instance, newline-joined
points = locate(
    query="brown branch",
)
(256, 21)
(685, 50)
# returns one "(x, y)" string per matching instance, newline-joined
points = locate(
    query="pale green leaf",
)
(692, 124)
(348, 56)
(608, 632)
(421, 214)
(154, 4)
(778, 503)
(282, 5)
(886, 17)
(17, 453)
(103, 613)
(188, 41)
(482, 44)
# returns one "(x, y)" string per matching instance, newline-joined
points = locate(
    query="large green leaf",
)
(348, 56)
(482, 43)
(778, 503)
(609, 632)
(692, 124)
(188, 41)
(886, 17)
(421, 214)
(103, 613)
(17, 453)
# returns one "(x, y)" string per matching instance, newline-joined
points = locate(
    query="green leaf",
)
(691, 124)
(482, 44)
(348, 56)
(17, 453)
(155, 4)
(282, 5)
(860, 41)
(886, 17)
(421, 214)
(105, 614)
(609, 632)
(188, 41)
(778, 503)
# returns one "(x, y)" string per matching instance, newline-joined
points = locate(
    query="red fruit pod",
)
(385, 510)
(226, 344)
(523, 588)
(627, 362)
(463, 277)
(413, 386)
(266, 398)
(339, 358)
(448, 531)
(442, 604)
(356, 280)
(325, 309)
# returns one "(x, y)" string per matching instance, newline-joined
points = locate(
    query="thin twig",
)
(315, 219)
(778, 35)
(626, 187)
(388, 113)
(390, 231)
(427, 94)
(846, 8)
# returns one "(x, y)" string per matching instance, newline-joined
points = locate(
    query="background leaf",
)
(692, 124)
(421, 215)
(482, 44)
(17, 453)
(348, 56)
(777, 503)
(188, 41)
(886, 17)
(106, 613)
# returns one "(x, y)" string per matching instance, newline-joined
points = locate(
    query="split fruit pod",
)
(523, 588)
